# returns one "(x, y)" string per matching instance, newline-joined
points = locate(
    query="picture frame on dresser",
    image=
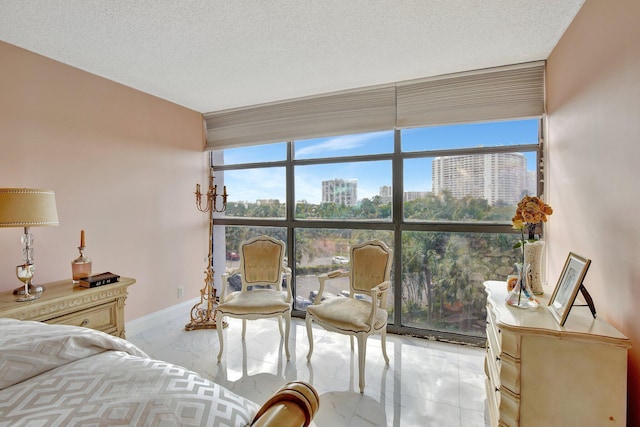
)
(570, 282)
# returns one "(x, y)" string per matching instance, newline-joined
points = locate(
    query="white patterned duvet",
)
(57, 375)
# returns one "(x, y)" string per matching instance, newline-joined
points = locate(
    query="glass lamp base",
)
(28, 297)
(25, 273)
(33, 289)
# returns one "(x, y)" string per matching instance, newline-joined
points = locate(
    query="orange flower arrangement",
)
(530, 212)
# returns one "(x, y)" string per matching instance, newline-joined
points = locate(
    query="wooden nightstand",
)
(62, 302)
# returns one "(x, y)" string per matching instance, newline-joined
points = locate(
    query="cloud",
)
(339, 143)
(255, 184)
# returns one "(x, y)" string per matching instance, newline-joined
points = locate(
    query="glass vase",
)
(80, 267)
(521, 295)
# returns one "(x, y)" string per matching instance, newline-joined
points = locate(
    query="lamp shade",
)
(27, 207)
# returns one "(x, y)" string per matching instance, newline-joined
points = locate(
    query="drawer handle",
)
(85, 322)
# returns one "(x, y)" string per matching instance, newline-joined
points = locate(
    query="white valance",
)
(361, 111)
(496, 94)
(493, 94)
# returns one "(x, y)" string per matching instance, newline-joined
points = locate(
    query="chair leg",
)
(351, 340)
(219, 327)
(244, 327)
(280, 326)
(383, 341)
(310, 336)
(287, 329)
(362, 356)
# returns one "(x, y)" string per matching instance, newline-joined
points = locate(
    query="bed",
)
(58, 375)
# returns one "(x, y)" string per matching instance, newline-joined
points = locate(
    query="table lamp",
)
(27, 207)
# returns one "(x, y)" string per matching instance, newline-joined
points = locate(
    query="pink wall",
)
(594, 163)
(123, 164)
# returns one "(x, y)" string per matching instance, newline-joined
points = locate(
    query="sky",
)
(266, 183)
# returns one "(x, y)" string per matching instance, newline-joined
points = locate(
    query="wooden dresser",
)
(542, 374)
(62, 302)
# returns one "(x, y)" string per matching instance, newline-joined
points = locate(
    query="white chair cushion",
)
(257, 301)
(348, 314)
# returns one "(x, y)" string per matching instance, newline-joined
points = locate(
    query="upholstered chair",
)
(363, 312)
(262, 268)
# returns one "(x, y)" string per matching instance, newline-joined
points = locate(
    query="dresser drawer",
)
(102, 318)
(493, 366)
(510, 373)
(494, 334)
(511, 343)
(493, 403)
(509, 408)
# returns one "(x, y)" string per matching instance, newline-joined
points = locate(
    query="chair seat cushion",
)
(348, 314)
(257, 301)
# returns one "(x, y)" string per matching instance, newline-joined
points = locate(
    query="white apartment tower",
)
(340, 191)
(496, 177)
(386, 194)
(413, 195)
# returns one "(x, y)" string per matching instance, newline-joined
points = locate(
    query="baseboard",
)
(141, 324)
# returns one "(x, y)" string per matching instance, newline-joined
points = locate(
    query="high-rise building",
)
(386, 194)
(413, 195)
(532, 180)
(340, 191)
(496, 177)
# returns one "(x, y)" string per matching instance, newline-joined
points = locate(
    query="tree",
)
(442, 272)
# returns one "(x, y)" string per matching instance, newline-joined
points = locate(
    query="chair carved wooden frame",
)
(369, 275)
(262, 268)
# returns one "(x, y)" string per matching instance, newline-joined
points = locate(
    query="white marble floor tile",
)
(427, 383)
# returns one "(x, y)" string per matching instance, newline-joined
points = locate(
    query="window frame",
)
(397, 225)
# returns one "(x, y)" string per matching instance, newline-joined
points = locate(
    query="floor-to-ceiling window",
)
(442, 197)
(434, 168)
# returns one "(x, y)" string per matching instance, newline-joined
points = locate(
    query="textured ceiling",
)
(211, 55)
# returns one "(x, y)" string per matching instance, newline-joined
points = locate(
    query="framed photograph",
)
(575, 268)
